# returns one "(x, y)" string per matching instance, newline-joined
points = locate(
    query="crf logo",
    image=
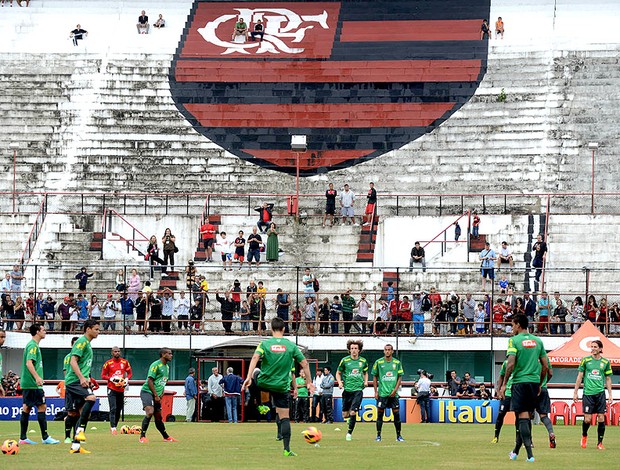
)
(528, 343)
(284, 30)
(278, 348)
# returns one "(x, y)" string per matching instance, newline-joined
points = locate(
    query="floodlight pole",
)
(14, 146)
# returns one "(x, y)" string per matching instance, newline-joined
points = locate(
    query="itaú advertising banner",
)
(464, 411)
(368, 411)
(11, 408)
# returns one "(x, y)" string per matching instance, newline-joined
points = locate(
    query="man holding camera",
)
(423, 387)
(387, 373)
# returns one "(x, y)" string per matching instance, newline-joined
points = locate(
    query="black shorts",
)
(351, 401)
(504, 405)
(75, 396)
(524, 397)
(148, 400)
(488, 273)
(33, 397)
(543, 406)
(279, 399)
(330, 208)
(392, 403)
(594, 404)
(208, 242)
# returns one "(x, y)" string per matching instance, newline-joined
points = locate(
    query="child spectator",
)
(461, 324)
(503, 284)
(82, 278)
(476, 225)
(245, 317)
(479, 319)
(335, 311)
(121, 285)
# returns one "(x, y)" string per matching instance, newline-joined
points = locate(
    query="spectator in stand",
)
(143, 23)
(601, 318)
(127, 306)
(273, 248)
(437, 319)
(64, 314)
(19, 313)
(255, 243)
(363, 308)
(614, 319)
(519, 308)
(330, 204)
(94, 309)
(485, 33)
(316, 397)
(390, 291)
(74, 313)
(505, 256)
(121, 285)
(383, 318)
(511, 298)
(347, 200)
(235, 294)
(348, 302)
(283, 303)
(231, 384)
(169, 247)
(258, 30)
(417, 315)
(155, 307)
(434, 392)
(311, 311)
(30, 317)
(160, 23)
(334, 314)
(417, 256)
(191, 393)
(141, 304)
(465, 391)
(17, 276)
(371, 204)
(195, 314)
(82, 278)
(453, 311)
(540, 256)
(241, 29)
(264, 217)
(5, 286)
(469, 379)
(394, 307)
(77, 34)
(308, 283)
(591, 309)
(457, 231)
(453, 383)
(498, 315)
(479, 319)
(499, 28)
(543, 313)
(244, 315)
(152, 256)
(227, 249)
(208, 233)
(296, 319)
(529, 305)
(468, 306)
(324, 313)
(39, 313)
(182, 309)
(559, 318)
(82, 305)
(134, 284)
(482, 393)
(167, 310)
(404, 313)
(476, 226)
(503, 284)
(487, 258)
(109, 313)
(240, 249)
(227, 309)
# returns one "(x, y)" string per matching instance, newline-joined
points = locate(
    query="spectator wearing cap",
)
(49, 311)
(191, 392)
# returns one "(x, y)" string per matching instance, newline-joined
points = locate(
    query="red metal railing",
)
(106, 221)
(33, 236)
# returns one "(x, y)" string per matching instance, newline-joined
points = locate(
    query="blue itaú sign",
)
(464, 411)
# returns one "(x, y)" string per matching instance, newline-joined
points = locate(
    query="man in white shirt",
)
(167, 310)
(347, 199)
(423, 386)
(215, 399)
(505, 256)
(316, 398)
(182, 308)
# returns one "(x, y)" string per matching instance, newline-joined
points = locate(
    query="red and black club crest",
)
(358, 78)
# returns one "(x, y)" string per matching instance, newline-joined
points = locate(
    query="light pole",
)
(593, 146)
(14, 146)
(298, 144)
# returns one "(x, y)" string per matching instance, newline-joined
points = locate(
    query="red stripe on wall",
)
(421, 30)
(319, 115)
(356, 71)
(309, 160)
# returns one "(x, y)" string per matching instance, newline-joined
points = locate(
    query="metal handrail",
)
(33, 236)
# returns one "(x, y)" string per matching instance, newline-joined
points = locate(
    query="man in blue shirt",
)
(232, 392)
(127, 311)
(487, 267)
(191, 392)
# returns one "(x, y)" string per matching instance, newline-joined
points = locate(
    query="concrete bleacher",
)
(101, 117)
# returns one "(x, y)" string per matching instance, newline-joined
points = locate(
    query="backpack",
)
(315, 284)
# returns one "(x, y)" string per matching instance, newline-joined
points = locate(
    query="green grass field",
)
(224, 446)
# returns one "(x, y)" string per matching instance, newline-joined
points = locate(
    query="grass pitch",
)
(230, 446)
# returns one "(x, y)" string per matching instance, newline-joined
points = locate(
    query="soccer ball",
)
(136, 430)
(10, 447)
(125, 429)
(312, 435)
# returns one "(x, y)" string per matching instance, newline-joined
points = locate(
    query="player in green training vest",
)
(69, 421)
(278, 356)
(595, 372)
(32, 387)
(527, 366)
(352, 375)
(151, 393)
(387, 374)
(78, 394)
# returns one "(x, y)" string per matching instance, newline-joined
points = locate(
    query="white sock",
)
(79, 430)
(75, 446)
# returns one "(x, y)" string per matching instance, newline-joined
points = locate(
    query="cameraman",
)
(423, 387)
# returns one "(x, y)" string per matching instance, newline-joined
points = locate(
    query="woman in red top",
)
(591, 309)
(601, 319)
